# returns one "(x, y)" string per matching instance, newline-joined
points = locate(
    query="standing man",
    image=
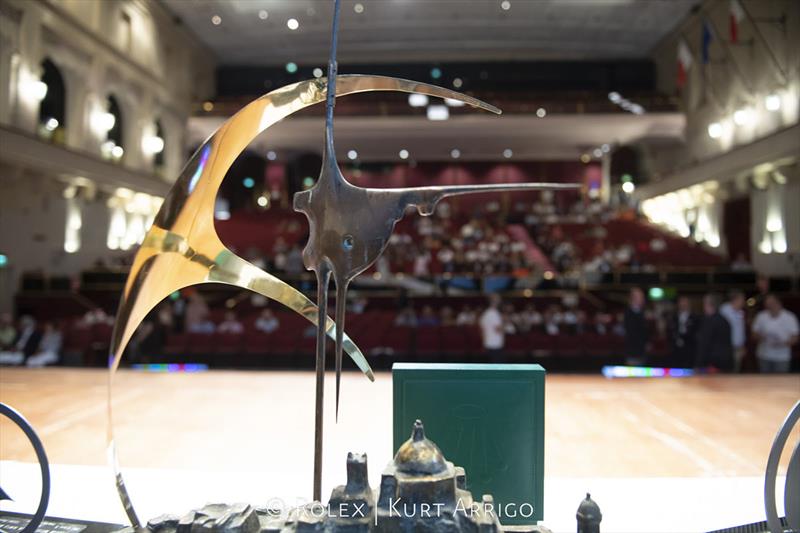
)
(683, 333)
(636, 334)
(492, 328)
(714, 347)
(776, 331)
(733, 311)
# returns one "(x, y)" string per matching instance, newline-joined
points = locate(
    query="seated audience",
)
(776, 330)
(95, 317)
(466, 317)
(25, 345)
(428, 318)
(267, 322)
(49, 350)
(446, 316)
(7, 332)
(406, 318)
(230, 325)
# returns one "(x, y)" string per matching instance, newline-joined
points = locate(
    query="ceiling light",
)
(403, 154)
(452, 102)
(272, 156)
(457, 83)
(262, 201)
(417, 100)
(636, 109)
(104, 121)
(291, 67)
(436, 73)
(438, 112)
(263, 15)
(51, 124)
(208, 106)
(153, 144)
(715, 130)
(455, 153)
(743, 117)
(216, 20)
(541, 112)
(605, 148)
(317, 72)
(352, 155)
(615, 97)
(37, 89)
(628, 187)
(117, 151)
(358, 8)
(292, 24)
(585, 158)
(772, 102)
(505, 5)
(507, 153)
(248, 182)
(597, 152)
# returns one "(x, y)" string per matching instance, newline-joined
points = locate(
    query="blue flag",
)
(708, 36)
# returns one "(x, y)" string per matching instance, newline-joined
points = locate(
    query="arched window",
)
(53, 107)
(114, 146)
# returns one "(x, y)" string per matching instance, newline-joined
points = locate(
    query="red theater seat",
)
(228, 343)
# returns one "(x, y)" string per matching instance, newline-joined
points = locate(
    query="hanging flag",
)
(707, 37)
(684, 62)
(736, 17)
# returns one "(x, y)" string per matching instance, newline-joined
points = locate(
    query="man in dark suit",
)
(636, 334)
(714, 346)
(683, 333)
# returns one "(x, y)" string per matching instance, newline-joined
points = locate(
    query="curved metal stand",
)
(44, 465)
(791, 496)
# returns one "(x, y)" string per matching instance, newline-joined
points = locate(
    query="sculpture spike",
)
(323, 279)
(341, 311)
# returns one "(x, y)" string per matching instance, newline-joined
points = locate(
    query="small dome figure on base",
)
(589, 516)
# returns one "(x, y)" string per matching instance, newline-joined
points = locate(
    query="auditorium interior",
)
(658, 287)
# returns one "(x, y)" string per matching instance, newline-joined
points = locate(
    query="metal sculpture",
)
(349, 228)
(791, 493)
(419, 491)
(44, 466)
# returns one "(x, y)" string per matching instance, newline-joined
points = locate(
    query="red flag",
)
(736, 16)
(684, 62)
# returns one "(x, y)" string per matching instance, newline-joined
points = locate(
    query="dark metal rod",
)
(330, 98)
(323, 278)
(341, 310)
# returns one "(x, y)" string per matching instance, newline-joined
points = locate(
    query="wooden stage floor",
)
(259, 425)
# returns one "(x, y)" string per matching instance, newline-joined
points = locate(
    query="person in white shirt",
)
(231, 325)
(733, 311)
(492, 329)
(776, 331)
(267, 322)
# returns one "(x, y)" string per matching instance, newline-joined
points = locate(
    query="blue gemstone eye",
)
(347, 242)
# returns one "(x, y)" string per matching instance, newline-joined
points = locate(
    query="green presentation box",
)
(488, 418)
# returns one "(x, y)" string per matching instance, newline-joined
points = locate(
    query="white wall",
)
(132, 49)
(744, 159)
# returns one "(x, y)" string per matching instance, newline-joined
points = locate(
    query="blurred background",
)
(679, 119)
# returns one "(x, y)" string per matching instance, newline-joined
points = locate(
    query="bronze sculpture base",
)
(419, 491)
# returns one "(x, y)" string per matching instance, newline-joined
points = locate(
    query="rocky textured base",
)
(419, 491)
